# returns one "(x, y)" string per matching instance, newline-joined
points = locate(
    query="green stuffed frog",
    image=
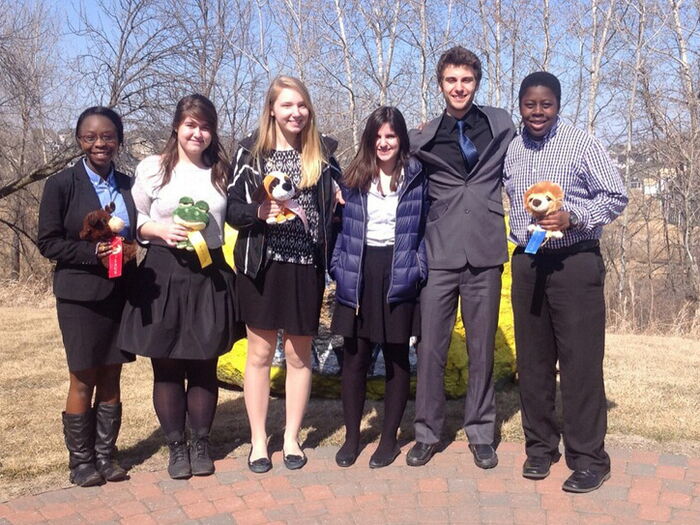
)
(192, 215)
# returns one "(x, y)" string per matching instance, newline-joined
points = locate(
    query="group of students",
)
(422, 225)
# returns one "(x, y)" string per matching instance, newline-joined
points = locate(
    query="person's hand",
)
(103, 249)
(557, 221)
(269, 209)
(339, 198)
(172, 233)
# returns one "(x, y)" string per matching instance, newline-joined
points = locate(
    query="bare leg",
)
(297, 349)
(80, 390)
(107, 387)
(256, 386)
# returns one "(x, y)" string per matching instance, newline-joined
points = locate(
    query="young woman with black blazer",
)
(179, 313)
(379, 264)
(89, 304)
(281, 274)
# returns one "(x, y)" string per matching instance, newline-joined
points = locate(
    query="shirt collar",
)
(470, 118)
(532, 143)
(96, 178)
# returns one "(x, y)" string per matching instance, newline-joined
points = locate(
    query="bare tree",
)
(28, 152)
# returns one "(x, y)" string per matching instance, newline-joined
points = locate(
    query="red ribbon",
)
(115, 258)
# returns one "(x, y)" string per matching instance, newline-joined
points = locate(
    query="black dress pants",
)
(559, 313)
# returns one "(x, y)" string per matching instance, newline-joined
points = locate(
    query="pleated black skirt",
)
(90, 330)
(283, 296)
(377, 320)
(178, 310)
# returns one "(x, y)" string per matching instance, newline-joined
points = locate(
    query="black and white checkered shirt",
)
(577, 161)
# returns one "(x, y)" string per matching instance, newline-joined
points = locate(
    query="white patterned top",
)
(289, 241)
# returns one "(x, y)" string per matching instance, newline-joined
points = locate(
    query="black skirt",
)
(377, 320)
(90, 329)
(178, 310)
(283, 296)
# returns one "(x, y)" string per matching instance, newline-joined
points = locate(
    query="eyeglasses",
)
(91, 139)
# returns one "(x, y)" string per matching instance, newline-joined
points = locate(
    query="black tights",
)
(356, 360)
(172, 402)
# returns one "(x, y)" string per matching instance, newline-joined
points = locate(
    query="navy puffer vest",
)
(409, 268)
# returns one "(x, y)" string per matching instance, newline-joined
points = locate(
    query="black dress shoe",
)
(484, 456)
(537, 467)
(585, 481)
(346, 458)
(379, 461)
(420, 454)
(259, 466)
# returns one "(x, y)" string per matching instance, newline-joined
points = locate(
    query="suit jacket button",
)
(467, 211)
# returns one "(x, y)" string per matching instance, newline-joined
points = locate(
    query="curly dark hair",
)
(459, 56)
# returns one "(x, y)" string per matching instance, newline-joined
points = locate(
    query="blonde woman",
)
(281, 266)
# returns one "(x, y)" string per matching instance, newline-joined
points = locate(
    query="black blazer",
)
(68, 197)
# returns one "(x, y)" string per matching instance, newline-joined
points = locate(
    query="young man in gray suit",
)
(463, 151)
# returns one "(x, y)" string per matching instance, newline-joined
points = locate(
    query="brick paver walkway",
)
(645, 487)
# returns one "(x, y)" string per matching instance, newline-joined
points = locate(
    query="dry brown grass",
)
(651, 381)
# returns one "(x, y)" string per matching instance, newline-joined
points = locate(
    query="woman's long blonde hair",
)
(312, 157)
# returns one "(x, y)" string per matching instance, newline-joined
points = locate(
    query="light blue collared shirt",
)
(108, 191)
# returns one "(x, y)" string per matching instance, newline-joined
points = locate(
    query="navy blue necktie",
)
(466, 146)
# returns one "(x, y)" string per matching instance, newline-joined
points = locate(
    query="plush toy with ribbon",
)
(279, 186)
(194, 216)
(542, 199)
(101, 226)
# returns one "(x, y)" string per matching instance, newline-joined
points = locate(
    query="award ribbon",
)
(200, 247)
(115, 258)
(535, 240)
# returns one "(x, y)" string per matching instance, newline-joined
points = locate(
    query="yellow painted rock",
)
(326, 379)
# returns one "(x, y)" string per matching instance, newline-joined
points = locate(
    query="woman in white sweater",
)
(180, 312)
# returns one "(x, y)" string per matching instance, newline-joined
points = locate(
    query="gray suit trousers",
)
(480, 293)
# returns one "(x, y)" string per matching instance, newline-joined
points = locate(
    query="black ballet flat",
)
(259, 466)
(346, 458)
(294, 461)
(378, 461)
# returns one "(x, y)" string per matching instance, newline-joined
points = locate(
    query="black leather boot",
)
(200, 460)
(108, 420)
(78, 430)
(179, 462)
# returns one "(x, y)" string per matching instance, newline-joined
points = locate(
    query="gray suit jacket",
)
(465, 223)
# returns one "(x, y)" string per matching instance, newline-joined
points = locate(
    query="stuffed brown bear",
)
(101, 226)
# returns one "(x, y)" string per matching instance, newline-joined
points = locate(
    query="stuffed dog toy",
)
(542, 199)
(278, 186)
(101, 226)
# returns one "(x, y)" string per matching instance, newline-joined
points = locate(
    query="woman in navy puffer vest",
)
(379, 265)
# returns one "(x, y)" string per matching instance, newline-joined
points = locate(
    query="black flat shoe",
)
(346, 458)
(537, 467)
(420, 454)
(377, 461)
(585, 481)
(484, 456)
(294, 461)
(259, 466)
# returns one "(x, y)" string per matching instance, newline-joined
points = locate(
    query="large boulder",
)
(328, 352)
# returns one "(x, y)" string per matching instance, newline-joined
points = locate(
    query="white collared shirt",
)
(381, 215)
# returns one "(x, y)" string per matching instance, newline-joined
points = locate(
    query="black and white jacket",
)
(242, 205)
